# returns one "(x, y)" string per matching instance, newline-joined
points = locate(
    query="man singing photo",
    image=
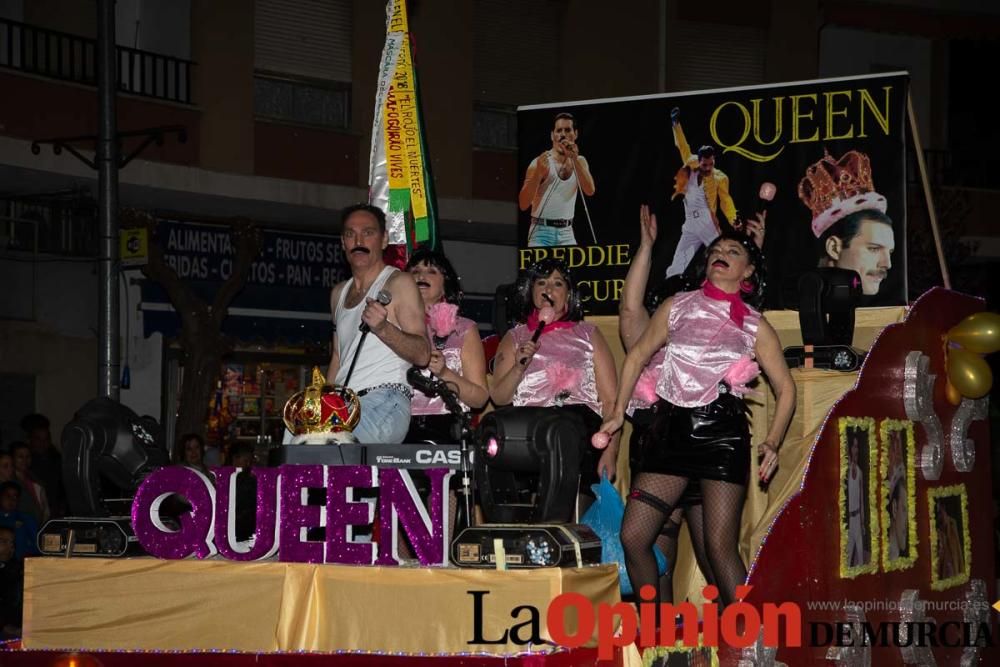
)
(550, 187)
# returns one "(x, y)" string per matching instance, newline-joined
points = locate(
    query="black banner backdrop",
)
(761, 134)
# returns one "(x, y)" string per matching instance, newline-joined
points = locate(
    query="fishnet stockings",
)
(723, 508)
(652, 501)
(650, 504)
(670, 537)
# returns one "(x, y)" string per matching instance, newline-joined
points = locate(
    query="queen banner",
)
(824, 160)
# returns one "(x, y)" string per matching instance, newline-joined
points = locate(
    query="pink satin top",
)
(562, 370)
(703, 343)
(422, 405)
(644, 394)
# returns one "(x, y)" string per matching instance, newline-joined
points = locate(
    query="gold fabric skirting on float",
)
(145, 604)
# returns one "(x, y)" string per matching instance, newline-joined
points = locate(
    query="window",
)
(302, 57)
(516, 62)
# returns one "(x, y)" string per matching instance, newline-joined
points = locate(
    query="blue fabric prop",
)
(605, 518)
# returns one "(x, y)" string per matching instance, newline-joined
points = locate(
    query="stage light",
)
(107, 451)
(828, 298)
(530, 467)
(492, 447)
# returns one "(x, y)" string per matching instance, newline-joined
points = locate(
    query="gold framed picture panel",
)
(858, 496)
(951, 543)
(897, 500)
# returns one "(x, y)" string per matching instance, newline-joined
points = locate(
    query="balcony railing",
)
(60, 55)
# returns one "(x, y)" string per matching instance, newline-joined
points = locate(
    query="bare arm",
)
(533, 178)
(584, 177)
(632, 315)
(508, 369)
(772, 361)
(652, 339)
(471, 384)
(408, 339)
(334, 368)
(606, 377)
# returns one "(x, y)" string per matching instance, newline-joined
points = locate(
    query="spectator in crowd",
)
(46, 461)
(23, 525)
(190, 452)
(34, 500)
(241, 455)
(6, 467)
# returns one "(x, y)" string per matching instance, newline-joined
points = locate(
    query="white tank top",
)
(377, 363)
(558, 201)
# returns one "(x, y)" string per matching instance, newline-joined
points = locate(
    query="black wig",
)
(543, 269)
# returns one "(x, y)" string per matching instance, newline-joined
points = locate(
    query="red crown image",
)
(833, 189)
(322, 408)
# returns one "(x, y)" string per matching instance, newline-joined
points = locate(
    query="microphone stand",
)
(583, 199)
(357, 352)
(451, 401)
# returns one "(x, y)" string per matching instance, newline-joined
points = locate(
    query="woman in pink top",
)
(712, 335)
(570, 367)
(457, 355)
(633, 317)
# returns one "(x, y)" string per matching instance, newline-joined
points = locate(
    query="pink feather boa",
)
(562, 379)
(645, 388)
(743, 371)
(443, 318)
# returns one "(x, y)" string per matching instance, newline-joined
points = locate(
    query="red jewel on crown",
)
(833, 189)
(322, 408)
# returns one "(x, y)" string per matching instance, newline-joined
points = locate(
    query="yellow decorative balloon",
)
(969, 373)
(978, 333)
(952, 394)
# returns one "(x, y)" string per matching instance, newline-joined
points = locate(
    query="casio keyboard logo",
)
(432, 456)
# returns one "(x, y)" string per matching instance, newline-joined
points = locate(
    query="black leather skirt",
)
(641, 421)
(707, 442)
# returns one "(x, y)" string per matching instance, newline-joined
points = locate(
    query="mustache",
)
(878, 274)
(720, 261)
(421, 283)
(361, 249)
(549, 299)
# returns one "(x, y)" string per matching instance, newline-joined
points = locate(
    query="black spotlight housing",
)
(107, 451)
(528, 464)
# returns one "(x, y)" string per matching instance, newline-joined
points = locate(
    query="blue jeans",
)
(542, 236)
(385, 417)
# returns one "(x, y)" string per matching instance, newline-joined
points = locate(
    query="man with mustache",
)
(550, 187)
(396, 340)
(862, 242)
(849, 218)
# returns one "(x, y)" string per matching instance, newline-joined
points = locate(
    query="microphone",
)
(545, 316)
(423, 383)
(384, 297)
(766, 194)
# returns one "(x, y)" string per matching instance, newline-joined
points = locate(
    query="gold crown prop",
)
(322, 408)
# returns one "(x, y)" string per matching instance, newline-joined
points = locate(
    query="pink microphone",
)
(546, 315)
(600, 440)
(767, 192)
